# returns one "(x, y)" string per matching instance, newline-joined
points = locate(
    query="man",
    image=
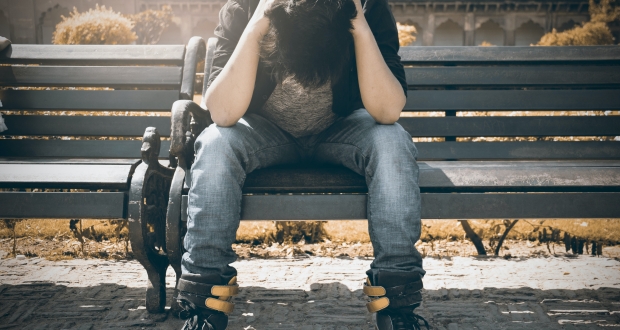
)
(296, 81)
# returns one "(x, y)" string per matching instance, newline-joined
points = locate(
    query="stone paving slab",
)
(322, 293)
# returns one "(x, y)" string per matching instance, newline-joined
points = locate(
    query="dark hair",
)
(308, 40)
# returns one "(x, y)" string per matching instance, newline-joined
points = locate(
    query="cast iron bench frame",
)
(458, 180)
(115, 178)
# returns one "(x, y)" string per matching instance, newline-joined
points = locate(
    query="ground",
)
(539, 291)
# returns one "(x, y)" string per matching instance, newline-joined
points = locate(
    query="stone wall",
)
(442, 22)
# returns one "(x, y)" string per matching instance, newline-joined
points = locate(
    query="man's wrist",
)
(360, 27)
(257, 28)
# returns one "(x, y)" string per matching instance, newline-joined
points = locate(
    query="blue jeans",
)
(383, 154)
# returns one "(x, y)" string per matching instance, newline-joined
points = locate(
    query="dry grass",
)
(357, 231)
(54, 240)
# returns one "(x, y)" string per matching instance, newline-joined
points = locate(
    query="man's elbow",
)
(388, 119)
(390, 114)
(218, 115)
(222, 120)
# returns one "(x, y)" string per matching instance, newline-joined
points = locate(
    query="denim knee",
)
(214, 139)
(391, 146)
(218, 153)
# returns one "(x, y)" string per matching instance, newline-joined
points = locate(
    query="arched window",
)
(204, 29)
(449, 33)
(528, 33)
(490, 32)
(48, 21)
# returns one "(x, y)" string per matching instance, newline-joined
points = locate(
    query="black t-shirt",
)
(235, 15)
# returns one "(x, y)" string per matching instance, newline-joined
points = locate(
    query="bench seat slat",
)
(77, 161)
(148, 100)
(76, 148)
(518, 150)
(90, 76)
(473, 54)
(427, 150)
(75, 176)
(94, 54)
(461, 206)
(57, 205)
(85, 125)
(512, 100)
(417, 126)
(448, 177)
(511, 126)
(513, 75)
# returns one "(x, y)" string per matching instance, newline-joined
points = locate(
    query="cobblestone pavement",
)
(322, 293)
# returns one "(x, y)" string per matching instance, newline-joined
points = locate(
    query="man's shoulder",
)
(247, 6)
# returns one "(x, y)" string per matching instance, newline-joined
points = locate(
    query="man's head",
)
(309, 39)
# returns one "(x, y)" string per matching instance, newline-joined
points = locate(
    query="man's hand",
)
(230, 94)
(381, 92)
(359, 21)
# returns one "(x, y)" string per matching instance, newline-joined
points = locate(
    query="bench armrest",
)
(194, 56)
(188, 120)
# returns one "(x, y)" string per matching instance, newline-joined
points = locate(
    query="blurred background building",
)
(439, 22)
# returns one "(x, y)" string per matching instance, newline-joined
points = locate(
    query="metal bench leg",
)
(175, 231)
(148, 199)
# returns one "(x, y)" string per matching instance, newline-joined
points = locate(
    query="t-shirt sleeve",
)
(383, 27)
(233, 20)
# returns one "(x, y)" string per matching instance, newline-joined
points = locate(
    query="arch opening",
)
(449, 33)
(48, 21)
(528, 33)
(489, 33)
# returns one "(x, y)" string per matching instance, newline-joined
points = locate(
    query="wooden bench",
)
(459, 178)
(57, 162)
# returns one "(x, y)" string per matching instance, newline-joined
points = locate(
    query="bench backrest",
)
(481, 91)
(527, 98)
(90, 101)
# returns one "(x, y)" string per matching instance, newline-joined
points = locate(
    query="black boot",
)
(206, 301)
(394, 297)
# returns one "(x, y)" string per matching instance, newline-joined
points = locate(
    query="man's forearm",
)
(381, 92)
(230, 94)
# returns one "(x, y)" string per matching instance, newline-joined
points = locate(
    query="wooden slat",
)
(149, 100)
(298, 207)
(512, 126)
(513, 75)
(462, 54)
(94, 54)
(526, 176)
(511, 100)
(491, 176)
(307, 179)
(520, 206)
(518, 150)
(85, 125)
(76, 176)
(461, 206)
(42, 205)
(90, 76)
(33, 160)
(76, 148)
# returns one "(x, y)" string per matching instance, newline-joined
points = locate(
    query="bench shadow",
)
(326, 306)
